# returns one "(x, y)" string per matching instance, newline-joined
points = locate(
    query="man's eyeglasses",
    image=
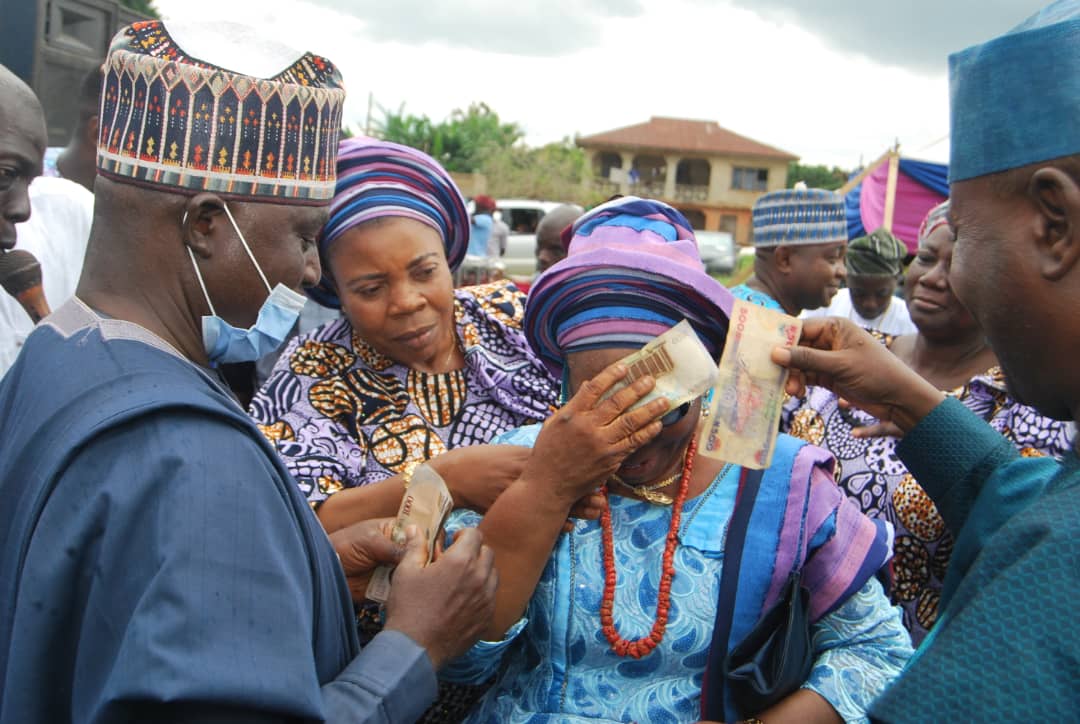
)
(675, 415)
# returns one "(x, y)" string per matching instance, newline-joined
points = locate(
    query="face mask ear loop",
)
(202, 285)
(248, 249)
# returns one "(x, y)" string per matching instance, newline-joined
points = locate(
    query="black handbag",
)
(775, 658)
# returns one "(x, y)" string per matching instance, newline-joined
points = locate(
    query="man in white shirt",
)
(874, 263)
(56, 233)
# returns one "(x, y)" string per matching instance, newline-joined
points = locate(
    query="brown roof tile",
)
(684, 135)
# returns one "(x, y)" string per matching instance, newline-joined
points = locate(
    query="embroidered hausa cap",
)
(633, 271)
(799, 216)
(216, 107)
(1014, 100)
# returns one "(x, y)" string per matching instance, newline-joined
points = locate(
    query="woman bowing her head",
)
(614, 620)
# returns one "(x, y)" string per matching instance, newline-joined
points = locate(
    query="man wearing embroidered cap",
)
(800, 236)
(157, 562)
(874, 263)
(1005, 644)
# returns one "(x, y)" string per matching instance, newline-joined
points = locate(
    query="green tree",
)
(461, 143)
(146, 7)
(817, 177)
(556, 172)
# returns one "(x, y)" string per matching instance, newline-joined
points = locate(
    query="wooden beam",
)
(852, 183)
(890, 190)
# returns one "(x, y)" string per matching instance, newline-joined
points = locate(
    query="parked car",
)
(717, 250)
(522, 216)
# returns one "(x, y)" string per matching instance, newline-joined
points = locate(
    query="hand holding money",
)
(744, 415)
(679, 363)
(425, 504)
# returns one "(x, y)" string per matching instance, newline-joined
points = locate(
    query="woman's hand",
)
(585, 442)
(836, 354)
(477, 474)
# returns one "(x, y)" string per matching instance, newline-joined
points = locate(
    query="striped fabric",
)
(799, 216)
(633, 271)
(378, 179)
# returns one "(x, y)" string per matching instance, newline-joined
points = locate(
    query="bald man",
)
(549, 243)
(22, 145)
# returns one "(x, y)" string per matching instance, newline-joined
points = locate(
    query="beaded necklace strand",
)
(643, 646)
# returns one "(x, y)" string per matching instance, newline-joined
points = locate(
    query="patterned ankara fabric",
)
(799, 216)
(1005, 646)
(555, 665)
(878, 253)
(377, 179)
(755, 297)
(1012, 98)
(872, 475)
(342, 415)
(633, 271)
(183, 124)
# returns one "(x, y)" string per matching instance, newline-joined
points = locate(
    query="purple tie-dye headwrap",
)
(379, 178)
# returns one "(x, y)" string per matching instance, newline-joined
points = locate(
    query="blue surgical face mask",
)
(225, 343)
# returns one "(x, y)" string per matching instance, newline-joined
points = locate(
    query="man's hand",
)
(837, 354)
(446, 605)
(362, 547)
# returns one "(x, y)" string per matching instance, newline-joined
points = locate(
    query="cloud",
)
(917, 34)
(525, 27)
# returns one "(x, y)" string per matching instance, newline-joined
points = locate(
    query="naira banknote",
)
(679, 363)
(425, 504)
(744, 415)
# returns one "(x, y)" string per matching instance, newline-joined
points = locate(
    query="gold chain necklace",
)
(648, 492)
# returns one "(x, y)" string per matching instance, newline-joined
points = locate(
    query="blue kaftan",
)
(1006, 645)
(157, 561)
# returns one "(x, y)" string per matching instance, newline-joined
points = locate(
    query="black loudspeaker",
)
(53, 44)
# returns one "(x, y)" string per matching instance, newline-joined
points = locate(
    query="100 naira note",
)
(679, 363)
(744, 416)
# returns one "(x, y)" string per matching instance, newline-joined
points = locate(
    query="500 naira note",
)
(744, 417)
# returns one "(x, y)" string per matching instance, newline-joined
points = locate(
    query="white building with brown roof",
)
(709, 173)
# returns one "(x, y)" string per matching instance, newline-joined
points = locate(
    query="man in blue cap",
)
(800, 237)
(1006, 645)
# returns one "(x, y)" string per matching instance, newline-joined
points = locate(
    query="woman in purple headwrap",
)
(614, 620)
(416, 369)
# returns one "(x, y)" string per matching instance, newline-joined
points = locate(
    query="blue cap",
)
(1015, 99)
(799, 216)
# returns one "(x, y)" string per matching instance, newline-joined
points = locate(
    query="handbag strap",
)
(712, 697)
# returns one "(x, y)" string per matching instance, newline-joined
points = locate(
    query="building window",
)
(750, 179)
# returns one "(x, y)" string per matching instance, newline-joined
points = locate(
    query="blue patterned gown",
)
(557, 665)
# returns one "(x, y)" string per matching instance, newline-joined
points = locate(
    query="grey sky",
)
(916, 34)
(521, 27)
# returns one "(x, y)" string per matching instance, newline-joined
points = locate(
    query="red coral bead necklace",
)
(643, 646)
